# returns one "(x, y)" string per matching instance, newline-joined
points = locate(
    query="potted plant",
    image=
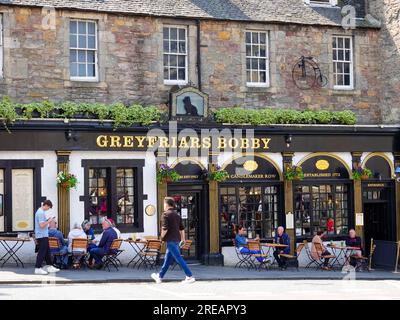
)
(218, 175)
(294, 173)
(362, 173)
(67, 180)
(167, 174)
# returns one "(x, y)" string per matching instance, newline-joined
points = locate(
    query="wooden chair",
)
(79, 252)
(111, 257)
(363, 262)
(242, 257)
(151, 253)
(320, 250)
(150, 238)
(186, 248)
(255, 245)
(295, 257)
(55, 244)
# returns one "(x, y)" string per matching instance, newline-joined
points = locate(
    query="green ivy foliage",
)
(240, 116)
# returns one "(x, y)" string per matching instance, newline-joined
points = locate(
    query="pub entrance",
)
(379, 215)
(190, 204)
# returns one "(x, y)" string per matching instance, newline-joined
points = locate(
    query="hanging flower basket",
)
(362, 173)
(67, 180)
(219, 175)
(294, 173)
(166, 174)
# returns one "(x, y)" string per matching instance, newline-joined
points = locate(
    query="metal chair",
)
(363, 262)
(255, 246)
(320, 251)
(309, 256)
(151, 253)
(55, 244)
(111, 257)
(244, 258)
(79, 252)
(294, 258)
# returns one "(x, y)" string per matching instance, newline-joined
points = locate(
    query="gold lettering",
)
(183, 143)
(102, 141)
(233, 143)
(195, 143)
(255, 143)
(221, 143)
(164, 142)
(207, 143)
(245, 143)
(128, 142)
(266, 142)
(173, 142)
(152, 141)
(140, 140)
(115, 142)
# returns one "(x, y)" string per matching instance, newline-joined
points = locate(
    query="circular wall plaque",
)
(322, 165)
(150, 210)
(250, 165)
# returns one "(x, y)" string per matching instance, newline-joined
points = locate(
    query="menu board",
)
(22, 199)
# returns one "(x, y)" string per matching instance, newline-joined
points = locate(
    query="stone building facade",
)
(130, 59)
(388, 12)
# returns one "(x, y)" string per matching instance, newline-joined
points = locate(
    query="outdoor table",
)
(12, 249)
(137, 246)
(339, 251)
(272, 246)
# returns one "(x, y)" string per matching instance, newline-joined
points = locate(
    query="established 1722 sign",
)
(189, 104)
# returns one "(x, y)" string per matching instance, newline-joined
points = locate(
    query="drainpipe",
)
(198, 64)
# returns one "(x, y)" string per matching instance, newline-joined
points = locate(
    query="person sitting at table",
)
(87, 228)
(354, 241)
(115, 228)
(61, 260)
(109, 235)
(281, 237)
(241, 242)
(76, 233)
(318, 255)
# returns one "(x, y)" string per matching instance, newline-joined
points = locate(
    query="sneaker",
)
(189, 280)
(267, 260)
(51, 269)
(156, 277)
(40, 271)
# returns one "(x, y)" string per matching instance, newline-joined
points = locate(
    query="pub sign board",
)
(324, 167)
(188, 105)
(252, 168)
(189, 170)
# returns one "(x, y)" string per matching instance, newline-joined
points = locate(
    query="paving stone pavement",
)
(25, 275)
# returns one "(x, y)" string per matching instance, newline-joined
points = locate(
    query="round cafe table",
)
(12, 245)
(271, 246)
(137, 246)
(343, 252)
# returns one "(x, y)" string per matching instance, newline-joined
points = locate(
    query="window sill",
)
(85, 84)
(259, 89)
(344, 92)
(175, 83)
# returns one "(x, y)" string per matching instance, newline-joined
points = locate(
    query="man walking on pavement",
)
(173, 233)
(42, 238)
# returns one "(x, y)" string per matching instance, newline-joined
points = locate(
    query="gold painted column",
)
(288, 193)
(358, 202)
(63, 194)
(162, 190)
(214, 216)
(397, 195)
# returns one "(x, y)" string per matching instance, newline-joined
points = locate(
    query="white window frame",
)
(96, 50)
(332, 3)
(177, 82)
(344, 87)
(1, 45)
(265, 84)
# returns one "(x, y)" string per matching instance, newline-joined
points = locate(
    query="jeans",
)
(173, 252)
(281, 260)
(326, 260)
(43, 252)
(97, 254)
(246, 250)
(63, 259)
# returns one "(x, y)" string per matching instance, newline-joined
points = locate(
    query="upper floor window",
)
(257, 73)
(342, 62)
(83, 50)
(1, 46)
(322, 2)
(175, 55)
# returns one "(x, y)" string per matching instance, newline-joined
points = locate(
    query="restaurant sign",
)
(252, 168)
(324, 167)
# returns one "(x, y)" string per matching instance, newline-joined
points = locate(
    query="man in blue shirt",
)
(42, 239)
(282, 238)
(63, 250)
(109, 235)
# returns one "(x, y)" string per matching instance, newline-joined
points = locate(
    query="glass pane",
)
(82, 41)
(82, 70)
(91, 42)
(1, 200)
(73, 27)
(72, 56)
(91, 28)
(173, 34)
(173, 61)
(182, 33)
(91, 68)
(181, 61)
(181, 74)
(263, 38)
(182, 47)
(173, 74)
(166, 46)
(174, 46)
(81, 56)
(73, 69)
(90, 57)
(255, 37)
(73, 41)
(248, 37)
(82, 27)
